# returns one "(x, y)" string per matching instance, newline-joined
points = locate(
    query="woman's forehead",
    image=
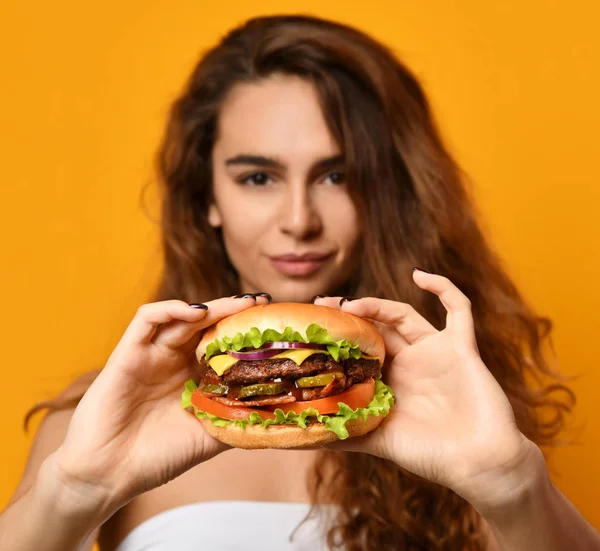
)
(279, 116)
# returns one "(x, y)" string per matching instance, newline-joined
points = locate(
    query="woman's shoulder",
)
(51, 434)
(53, 428)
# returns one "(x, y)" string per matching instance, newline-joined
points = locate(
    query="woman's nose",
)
(299, 217)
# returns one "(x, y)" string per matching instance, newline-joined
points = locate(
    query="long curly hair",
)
(415, 210)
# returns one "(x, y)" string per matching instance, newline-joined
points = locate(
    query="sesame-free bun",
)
(290, 437)
(298, 316)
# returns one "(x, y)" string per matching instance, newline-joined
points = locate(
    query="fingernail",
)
(416, 268)
(247, 295)
(312, 300)
(199, 306)
(265, 295)
(347, 299)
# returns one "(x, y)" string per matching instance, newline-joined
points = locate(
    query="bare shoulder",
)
(52, 430)
(490, 539)
(50, 435)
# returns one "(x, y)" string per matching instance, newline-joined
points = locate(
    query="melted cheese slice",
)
(223, 362)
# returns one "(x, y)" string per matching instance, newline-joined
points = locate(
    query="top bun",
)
(298, 316)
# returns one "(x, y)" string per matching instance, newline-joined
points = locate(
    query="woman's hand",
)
(451, 423)
(129, 433)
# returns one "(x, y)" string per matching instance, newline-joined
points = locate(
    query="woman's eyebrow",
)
(255, 160)
(262, 160)
(329, 162)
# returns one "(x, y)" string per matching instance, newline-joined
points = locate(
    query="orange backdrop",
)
(85, 88)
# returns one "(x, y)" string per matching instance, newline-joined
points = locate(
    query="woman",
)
(302, 159)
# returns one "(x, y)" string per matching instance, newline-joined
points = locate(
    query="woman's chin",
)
(300, 289)
(297, 292)
(294, 297)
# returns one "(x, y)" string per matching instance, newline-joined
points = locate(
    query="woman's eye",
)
(335, 178)
(256, 179)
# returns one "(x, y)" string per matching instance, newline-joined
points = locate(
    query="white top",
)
(231, 526)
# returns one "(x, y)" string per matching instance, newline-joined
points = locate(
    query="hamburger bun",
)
(340, 325)
(290, 437)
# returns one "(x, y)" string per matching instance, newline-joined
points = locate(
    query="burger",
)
(289, 375)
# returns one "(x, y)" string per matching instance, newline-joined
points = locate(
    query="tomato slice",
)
(225, 412)
(358, 396)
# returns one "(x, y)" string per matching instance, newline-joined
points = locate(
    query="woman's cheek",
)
(342, 219)
(244, 225)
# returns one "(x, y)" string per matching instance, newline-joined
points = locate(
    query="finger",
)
(178, 334)
(458, 306)
(394, 341)
(370, 443)
(402, 317)
(149, 317)
(181, 334)
(263, 298)
(330, 302)
(259, 298)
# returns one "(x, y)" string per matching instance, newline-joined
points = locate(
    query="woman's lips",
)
(299, 264)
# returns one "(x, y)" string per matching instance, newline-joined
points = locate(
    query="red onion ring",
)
(271, 349)
(287, 345)
(253, 354)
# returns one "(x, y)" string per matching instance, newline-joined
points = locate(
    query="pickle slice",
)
(323, 379)
(261, 389)
(219, 390)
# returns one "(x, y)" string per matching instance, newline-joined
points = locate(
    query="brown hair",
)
(415, 211)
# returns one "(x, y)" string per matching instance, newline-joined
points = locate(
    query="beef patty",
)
(246, 372)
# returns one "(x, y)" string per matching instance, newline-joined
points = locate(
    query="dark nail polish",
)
(420, 270)
(312, 300)
(347, 299)
(266, 295)
(199, 306)
(247, 295)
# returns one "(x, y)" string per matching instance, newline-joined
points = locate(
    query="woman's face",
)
(289, 226)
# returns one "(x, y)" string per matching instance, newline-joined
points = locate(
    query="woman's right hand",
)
(129, 433)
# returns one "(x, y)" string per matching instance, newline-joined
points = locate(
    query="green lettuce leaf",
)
(339, 350)
(381, 403)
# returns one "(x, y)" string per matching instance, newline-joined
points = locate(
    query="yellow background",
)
(83, 96)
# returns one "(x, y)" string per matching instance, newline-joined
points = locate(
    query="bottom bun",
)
(290, 437)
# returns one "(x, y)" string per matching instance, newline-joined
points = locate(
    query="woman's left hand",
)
(452, 423)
